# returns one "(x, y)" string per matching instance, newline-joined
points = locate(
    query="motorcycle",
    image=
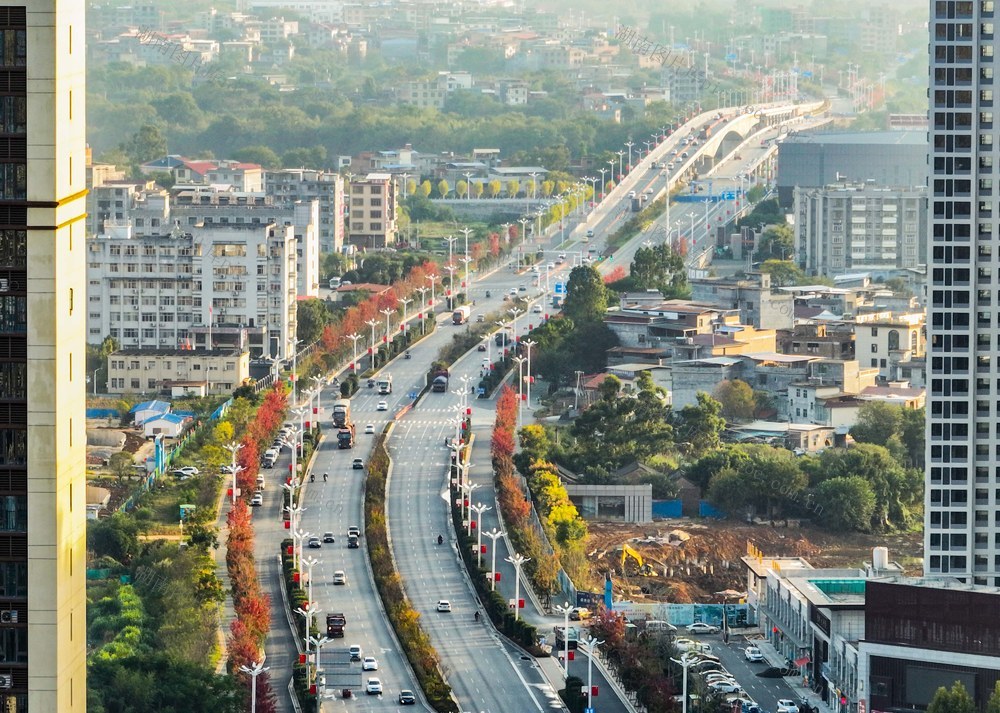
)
(325, 475)
(488, 295)
(312, 477)
(440, 540)
(407, 355)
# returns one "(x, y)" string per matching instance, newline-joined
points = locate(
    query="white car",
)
(725, 687)
(444, 605)
(753, 654)
(373, 687)
(257, 500)
(355, 652)
(702, 628)
(716, 676)
(339, 577)
(370, 428)
(382, 406)
(537, 309)
(187, 470)
(787, 705)
(370, 663)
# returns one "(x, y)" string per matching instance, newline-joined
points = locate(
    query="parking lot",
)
(765, 691)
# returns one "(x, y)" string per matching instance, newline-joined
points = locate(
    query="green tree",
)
(954, 700)
(311, 317)
(767, 481)
(897, 490)
(778, 241)
(547, 188)
(263, 155)
(698, 427)
(121, 465)
(736, 398)
(783, 272)
(845, 504)
(146, 144)
(659, 268)
(443, 188)
(154, 681)
(727, 457)
(877, 422)
(425, 188)
(993, 705)
(535, 446)
(586, 296)
(116, 537)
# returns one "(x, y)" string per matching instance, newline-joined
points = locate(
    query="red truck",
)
(335, 625)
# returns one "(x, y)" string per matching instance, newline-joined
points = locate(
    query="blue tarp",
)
(667, 508)
(706, 509)
(102, 413)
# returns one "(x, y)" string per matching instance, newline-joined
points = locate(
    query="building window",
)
(13, 181)
(13, 48)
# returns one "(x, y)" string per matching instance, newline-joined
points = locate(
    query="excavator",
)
(645, 569)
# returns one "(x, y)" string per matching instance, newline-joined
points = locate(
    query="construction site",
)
(692, 561)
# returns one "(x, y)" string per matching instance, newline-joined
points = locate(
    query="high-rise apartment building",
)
(962, 490)
(42, 357)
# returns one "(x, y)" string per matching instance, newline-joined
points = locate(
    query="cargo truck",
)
(345, 436)
(341, 412)
(335, 625)
(461, 314)
(384, 384)
(562, 637)
(440, 381)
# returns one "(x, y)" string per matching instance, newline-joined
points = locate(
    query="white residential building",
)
(206, 286)
(860, 226)
(885, 341)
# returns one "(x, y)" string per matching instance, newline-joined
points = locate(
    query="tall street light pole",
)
(494, 535)
(371, 344)
(318, 643)
(479, 509)
(387, 312)
(565, 609)
(591, 646)
(519, 360)
(686, 660)
(234, 448)
(517, 560)
(253, 671)
(405, 301)
(433, 278)
(528, 345)
(295, 367)
(354, 339)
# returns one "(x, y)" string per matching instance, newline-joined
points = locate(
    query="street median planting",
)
(405, 620)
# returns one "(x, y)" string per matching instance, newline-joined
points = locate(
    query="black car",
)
(406, 698)
(358, 464)
(328, 537)
(481, 348)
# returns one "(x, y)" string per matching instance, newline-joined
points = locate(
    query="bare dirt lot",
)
(690, 560)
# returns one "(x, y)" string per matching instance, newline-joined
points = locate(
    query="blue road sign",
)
(585, 710)
(807, 73)
(732, 57)
(560, 288)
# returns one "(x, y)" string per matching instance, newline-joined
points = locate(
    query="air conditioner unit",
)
(8, 616)
(4, 285)
(6, 681)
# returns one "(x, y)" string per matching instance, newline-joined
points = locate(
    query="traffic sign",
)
(560, 288)
(588, 710)
(731, 57)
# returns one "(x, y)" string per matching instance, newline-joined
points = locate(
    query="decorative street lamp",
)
(517, 560)
(254, 670)
(494, 535)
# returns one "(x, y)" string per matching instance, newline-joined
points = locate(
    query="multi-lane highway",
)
(486, 673)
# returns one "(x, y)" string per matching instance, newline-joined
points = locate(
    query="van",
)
(260, 482)
(334, 283)
(658, 625)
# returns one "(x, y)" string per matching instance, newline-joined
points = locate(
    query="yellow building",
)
(43, 312)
